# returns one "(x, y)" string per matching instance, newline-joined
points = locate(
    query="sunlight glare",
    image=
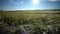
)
(35, 2)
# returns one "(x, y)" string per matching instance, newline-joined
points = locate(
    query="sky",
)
(29, 4)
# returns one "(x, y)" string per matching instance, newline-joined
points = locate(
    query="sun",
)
(35, 2)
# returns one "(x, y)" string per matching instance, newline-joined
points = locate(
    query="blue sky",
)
(29, 4)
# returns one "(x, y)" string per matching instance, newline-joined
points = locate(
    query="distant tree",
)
(1, 10)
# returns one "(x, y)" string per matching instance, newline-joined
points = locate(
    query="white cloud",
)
(11, 1)
(21, 2)
(54, 0)
(35, 2)
(17, 3)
